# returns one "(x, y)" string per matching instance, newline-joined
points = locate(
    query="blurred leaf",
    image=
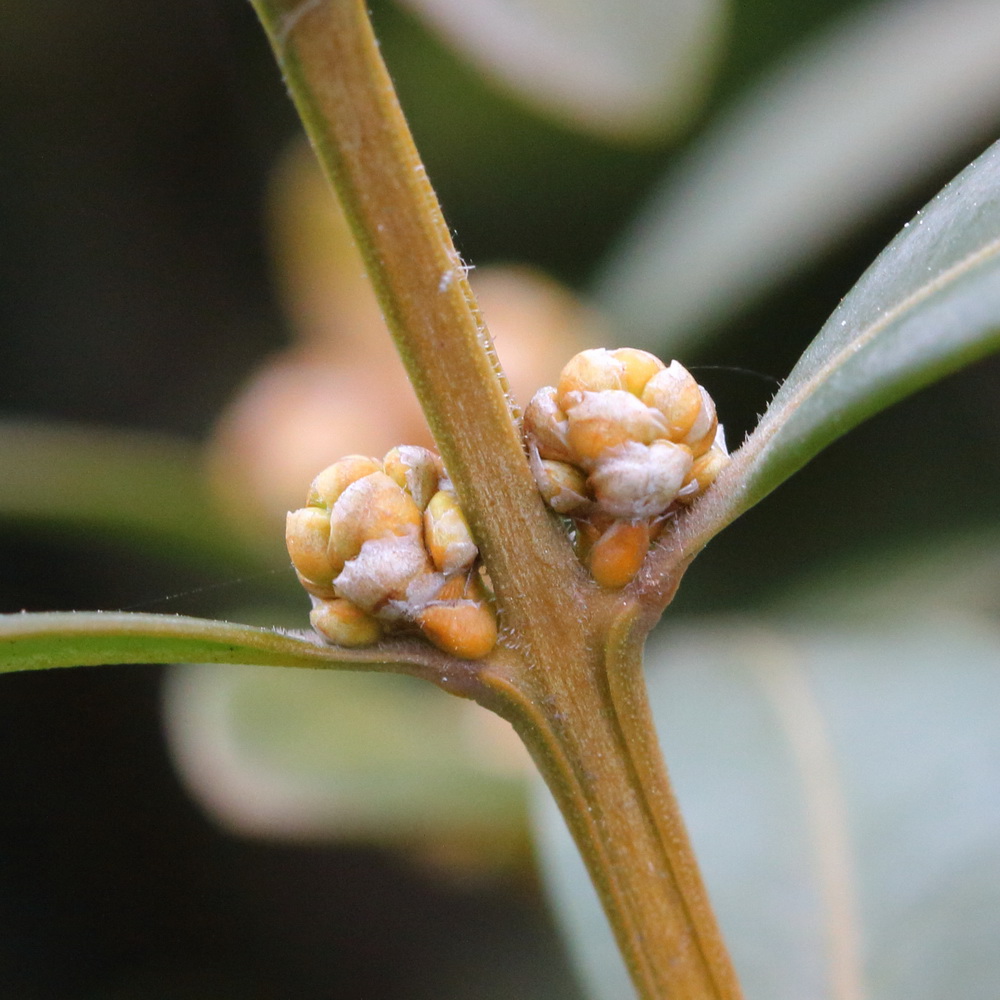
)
(78, 638)
(958, 575)
(149, 487)
(876, 104)
(625, 70)
(288, 757)
(841, 792)
(313, 754)
(928, 305)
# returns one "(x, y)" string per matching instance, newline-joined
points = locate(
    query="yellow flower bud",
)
(678, 397)
(361, 549)
(702, 433)
(605, 420)
(640, 481)
(563, 486)
(619, 444)
(589, 371)
(447, 535)
(307, 534)
(417, 470)
(326, 591)
(334, 479)
(639, 367)
(703, 473)
(463, 625)
(371, 507)
(545, 425)
(618, 554)
(344, 623)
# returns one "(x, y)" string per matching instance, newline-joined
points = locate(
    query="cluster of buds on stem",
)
(619, 445)
(383, 546)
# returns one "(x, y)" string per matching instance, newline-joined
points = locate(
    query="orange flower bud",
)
(639, 367)
(307, 534)
(361, 549)
(326, 488)
(605, 420)
(545, 425)
(702, 433)
(344, 623)
(619, 553)
(677, 396)
(464, 626)
(703, 473)
(563, 486)
(589, 371)
(447, 534)
(371, 507)
(415, 469)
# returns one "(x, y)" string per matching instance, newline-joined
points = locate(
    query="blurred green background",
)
(137, 148)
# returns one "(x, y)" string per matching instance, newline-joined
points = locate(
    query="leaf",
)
(841, 789)
(874, 105)
(959, 574)
(76, 638)
(149, 487)
(288, 754)
(928, 305)
(625, 70)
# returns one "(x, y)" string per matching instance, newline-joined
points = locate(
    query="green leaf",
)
(959, 574)
(626, 70)
(869, 107)
(841, 790)
(121, 483)
(928, 305)
(288, 754)
(75, 638)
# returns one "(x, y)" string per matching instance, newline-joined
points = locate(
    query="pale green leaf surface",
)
(291, 754)
(841, 789)
(928, 305)
(629, 69)
(874, 105)
(952, 575)
(120, 483)
(43, 640)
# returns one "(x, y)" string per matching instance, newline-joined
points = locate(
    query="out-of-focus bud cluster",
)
(383, 546)
(619, 445)
(339, 385)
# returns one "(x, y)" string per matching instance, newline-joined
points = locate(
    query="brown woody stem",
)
(339, 83)
(584, 715)
(567, 672)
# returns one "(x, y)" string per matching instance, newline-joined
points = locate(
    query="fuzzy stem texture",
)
(567, 671)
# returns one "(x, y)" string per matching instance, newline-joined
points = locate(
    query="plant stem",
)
(342, 90)
(567, 671)
(587, 722)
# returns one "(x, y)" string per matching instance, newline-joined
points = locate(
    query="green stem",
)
(49, 639)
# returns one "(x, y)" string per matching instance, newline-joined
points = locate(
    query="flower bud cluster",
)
(621, 443)
(383, 546)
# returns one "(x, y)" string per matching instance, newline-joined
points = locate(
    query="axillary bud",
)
(619, 445)
(382, 547)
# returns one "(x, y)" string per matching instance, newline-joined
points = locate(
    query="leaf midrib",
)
(772, 422)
